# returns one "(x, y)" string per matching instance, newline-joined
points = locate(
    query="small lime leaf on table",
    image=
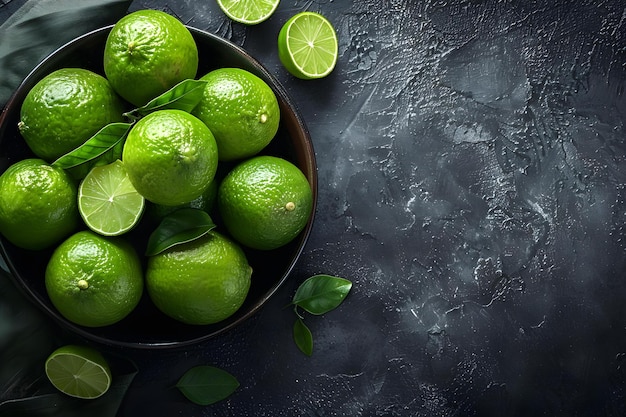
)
(303, 337)
(205, 385)
(322, 293)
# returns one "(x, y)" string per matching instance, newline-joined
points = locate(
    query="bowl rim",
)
(310, 170)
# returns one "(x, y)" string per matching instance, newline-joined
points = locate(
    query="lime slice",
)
(249, 12)
(108, 201)
(307, 46)
(78, 371)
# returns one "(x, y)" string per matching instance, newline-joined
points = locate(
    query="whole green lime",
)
(146, 53)
(201, 282)
(241, 110)
(265, 202)
(170, 156)
(38, 204)
(64, 109)
(94, 280)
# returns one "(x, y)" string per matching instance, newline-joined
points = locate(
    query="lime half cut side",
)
(78, 371)
(248, 12)
(307, 46)
(107, 200)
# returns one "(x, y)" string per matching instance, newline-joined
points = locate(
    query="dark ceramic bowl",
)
(146, 327)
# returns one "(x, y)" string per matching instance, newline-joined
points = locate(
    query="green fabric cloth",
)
(27, 336)
(41, 26)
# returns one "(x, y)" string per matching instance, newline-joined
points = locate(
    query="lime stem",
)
(290, 206)
(263, 118)
(83, 284)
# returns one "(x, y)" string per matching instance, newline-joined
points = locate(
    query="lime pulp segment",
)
(249, 12)
(108, 202)
(311, 43)
(77, 376)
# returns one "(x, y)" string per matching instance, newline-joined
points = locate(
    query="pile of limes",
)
(166, 159)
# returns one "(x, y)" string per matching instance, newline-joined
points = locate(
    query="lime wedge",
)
(307, 46)
(249, 12)
(108, 201)
(78, 371)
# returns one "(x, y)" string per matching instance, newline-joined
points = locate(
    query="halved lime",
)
(249, 12)
(78, 371)
(107, 200)
(307, 46)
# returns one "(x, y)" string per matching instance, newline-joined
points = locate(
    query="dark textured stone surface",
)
(472, 167)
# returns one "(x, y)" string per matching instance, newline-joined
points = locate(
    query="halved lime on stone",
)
(78, 371)
(248, 12)
(307, 46)
(107, 200)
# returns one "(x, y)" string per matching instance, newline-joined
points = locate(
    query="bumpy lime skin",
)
(265, 202)
(146, 53)
(171, 157)
(38, 204)
(241, 110)
(201, 282)
(66, 108)
(94, 280)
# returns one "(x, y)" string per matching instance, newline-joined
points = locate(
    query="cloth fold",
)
(27, 336)
(40, 26)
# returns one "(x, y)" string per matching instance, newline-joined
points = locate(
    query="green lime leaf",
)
(183, 96)
(99, 144)
(303, 337)
(205, 385)
(79, 172)
(321, 293)
(181, 226)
